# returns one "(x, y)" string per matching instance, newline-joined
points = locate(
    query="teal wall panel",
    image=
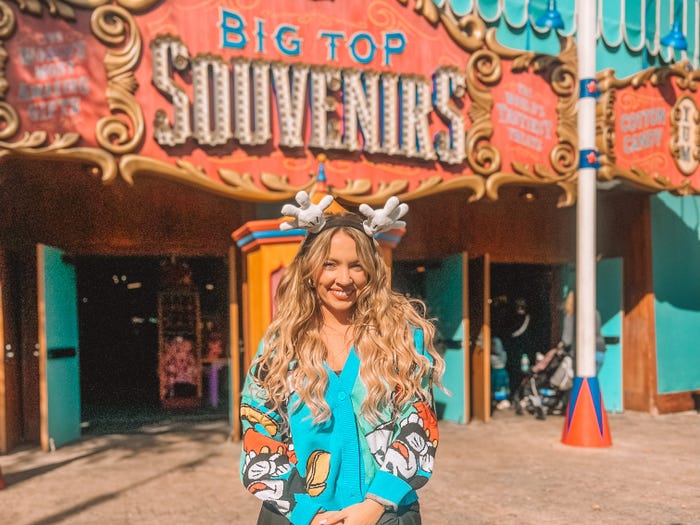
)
(676, 267)
(62, 374)
(609, 304)
(443, 285)
(443, 292)
(450, 405)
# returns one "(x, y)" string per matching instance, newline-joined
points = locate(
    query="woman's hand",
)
(328, 518)
(366, 513)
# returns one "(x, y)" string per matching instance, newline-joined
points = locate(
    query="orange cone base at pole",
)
(586, 423)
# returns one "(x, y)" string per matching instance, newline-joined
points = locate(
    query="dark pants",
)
(408, 515)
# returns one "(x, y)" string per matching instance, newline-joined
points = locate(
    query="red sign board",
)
(524, 118)
(236, 90)
(657, 134)
(56, 82)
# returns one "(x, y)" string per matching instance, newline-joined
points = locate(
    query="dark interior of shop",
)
(536, 284)
(118, 315)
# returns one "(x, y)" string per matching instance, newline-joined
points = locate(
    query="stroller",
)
(545, 387)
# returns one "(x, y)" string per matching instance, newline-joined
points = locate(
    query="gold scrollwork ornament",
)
(114, 26)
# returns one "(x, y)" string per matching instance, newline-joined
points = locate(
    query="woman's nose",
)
(344, 276)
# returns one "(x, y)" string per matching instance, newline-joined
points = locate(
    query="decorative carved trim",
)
(355, 191)
(539, 176)
(8, 115)
(235, 185)
(276, 188)
(468, 31)
(115, 26)
(560, 74)
(483, 70)
(62, 8)
(431, 187)
(34, 145)
(605, 116)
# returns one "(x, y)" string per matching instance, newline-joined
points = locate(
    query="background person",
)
(520, 340)
(500, 382)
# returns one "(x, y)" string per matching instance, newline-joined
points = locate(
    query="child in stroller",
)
(545, 387)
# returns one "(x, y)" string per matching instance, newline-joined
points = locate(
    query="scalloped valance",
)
(627, 26)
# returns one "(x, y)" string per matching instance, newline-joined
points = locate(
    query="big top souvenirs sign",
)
(238, 97)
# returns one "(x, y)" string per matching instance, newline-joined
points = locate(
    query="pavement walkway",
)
(513, 470)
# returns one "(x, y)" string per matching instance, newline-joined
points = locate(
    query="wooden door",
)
(10, 367)
(235, 370)
(479, 293)
(26, 285)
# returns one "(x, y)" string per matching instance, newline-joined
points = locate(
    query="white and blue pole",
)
(586, 421)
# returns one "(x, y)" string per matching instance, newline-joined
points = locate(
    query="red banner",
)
(524, 118)
(657, 133)
(56, 77)
(235, 90)
(381, 38)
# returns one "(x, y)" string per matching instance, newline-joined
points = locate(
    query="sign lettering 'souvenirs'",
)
(239, 98)
(651, 129)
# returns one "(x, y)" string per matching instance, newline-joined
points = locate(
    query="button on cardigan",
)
(307, 467)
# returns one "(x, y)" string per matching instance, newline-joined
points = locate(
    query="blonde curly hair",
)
(293, 354)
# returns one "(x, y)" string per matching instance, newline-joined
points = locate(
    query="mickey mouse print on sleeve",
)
(269, 461)
(268, 468)
(404, 448)
(407, 452)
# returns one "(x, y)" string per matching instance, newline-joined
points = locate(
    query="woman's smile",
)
(341, 294)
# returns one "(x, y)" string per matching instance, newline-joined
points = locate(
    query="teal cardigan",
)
(333, 464)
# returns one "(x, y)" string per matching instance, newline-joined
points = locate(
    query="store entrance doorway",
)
(474, 300)
(122, 349)
(525, 312)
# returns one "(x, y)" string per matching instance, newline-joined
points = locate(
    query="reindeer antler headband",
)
(309, 216)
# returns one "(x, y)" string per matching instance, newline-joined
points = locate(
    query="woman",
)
(337, 409)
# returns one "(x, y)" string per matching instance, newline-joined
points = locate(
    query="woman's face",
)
(340, 278)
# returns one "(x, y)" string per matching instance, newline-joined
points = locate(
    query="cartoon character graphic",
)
(412, 451)
(379, 440)
(257, 417)
(266, 465)
(267, 469)
(318, 467)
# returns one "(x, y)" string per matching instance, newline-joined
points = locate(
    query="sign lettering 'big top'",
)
(240, 97)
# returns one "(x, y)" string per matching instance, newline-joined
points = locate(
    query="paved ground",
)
(512, 470)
